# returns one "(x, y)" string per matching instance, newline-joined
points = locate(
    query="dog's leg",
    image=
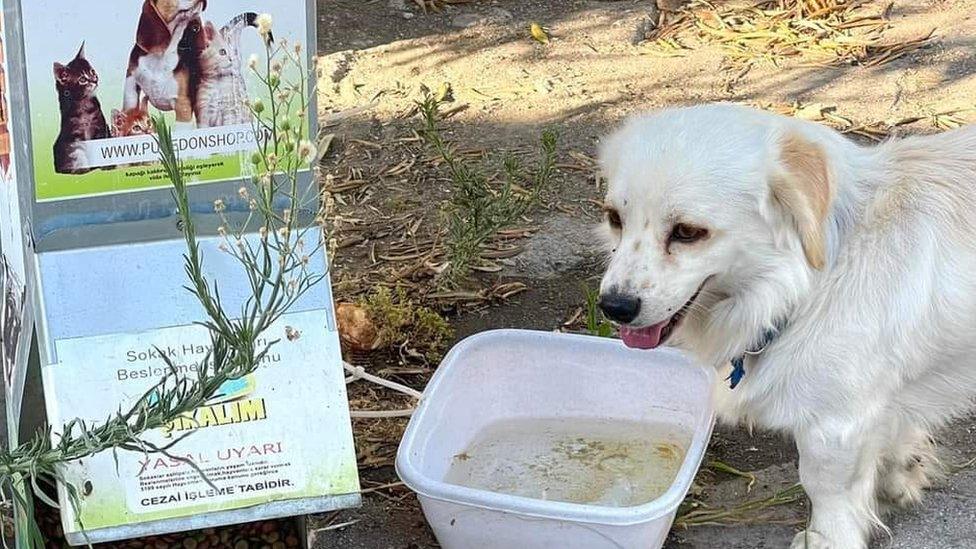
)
(838, 473)
(184, 103)
(908, 467)
(130, 94)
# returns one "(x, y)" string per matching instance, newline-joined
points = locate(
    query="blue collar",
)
(738, 363)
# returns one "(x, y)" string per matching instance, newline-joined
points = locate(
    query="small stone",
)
(466, 20)
(241, 545)
(291, 541)
(190, 543)
(407, 15)
(279, 545)
(644, 27)
(499, 15)
(398, 5)
(268, 527)
(544, 86)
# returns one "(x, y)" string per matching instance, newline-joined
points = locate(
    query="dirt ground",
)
(505, 89)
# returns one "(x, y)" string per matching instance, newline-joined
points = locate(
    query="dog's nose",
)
(620, 307)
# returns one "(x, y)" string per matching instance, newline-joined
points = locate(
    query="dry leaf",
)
(813, 112)
(538, 33)
(443, 92)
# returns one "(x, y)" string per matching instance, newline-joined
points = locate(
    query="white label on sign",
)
(120, 151)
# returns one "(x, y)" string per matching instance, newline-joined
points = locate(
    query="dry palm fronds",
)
(875, 130)
(815, 32)
(751, 512)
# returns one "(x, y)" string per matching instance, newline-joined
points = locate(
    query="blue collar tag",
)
(738, 363)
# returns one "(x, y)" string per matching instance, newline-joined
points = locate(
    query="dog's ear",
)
(152, 34)
(803, 188)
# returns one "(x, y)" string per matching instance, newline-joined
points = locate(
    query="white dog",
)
(840, 279)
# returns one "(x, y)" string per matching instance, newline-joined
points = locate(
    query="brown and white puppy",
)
(728, 224)
(163, 60)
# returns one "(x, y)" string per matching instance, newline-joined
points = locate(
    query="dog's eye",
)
(687, 233)
(613, 217)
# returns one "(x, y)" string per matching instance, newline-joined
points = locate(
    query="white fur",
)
(879, 349)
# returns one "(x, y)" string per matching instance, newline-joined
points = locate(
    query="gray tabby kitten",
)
(81, 114)
(221, 90)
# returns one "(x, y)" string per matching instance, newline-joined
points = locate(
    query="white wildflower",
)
(264, 22)
(306, 150)
(253, 62)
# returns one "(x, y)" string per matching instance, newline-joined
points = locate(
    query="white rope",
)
(358, 372)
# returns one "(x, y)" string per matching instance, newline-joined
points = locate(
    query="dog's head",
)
(169, 10)
(709, 210)
(159, 19)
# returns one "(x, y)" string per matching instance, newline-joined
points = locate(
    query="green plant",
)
(271, 247)
(477, 209)
(402, 323)
(596, 324)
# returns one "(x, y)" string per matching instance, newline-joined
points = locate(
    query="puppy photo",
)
(833, 285)
(168, 40)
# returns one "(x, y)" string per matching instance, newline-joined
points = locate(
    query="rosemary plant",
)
(272, 247)
(477, 210)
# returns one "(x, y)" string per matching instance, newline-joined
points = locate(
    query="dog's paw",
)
(904, 484)
(808, 539)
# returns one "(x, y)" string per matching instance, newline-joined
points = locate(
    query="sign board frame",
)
(107, 281)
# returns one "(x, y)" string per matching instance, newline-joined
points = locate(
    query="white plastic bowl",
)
(516, 374)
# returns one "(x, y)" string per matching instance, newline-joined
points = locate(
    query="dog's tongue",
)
(642, 338)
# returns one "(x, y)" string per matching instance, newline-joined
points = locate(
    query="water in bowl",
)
(595, 462)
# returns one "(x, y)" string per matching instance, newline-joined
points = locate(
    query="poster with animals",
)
(99, 72)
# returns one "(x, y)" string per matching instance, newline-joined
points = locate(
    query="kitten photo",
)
(81, 114)
(135, 121)
(221, 89)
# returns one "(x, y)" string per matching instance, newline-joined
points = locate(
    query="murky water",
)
(609, 463)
